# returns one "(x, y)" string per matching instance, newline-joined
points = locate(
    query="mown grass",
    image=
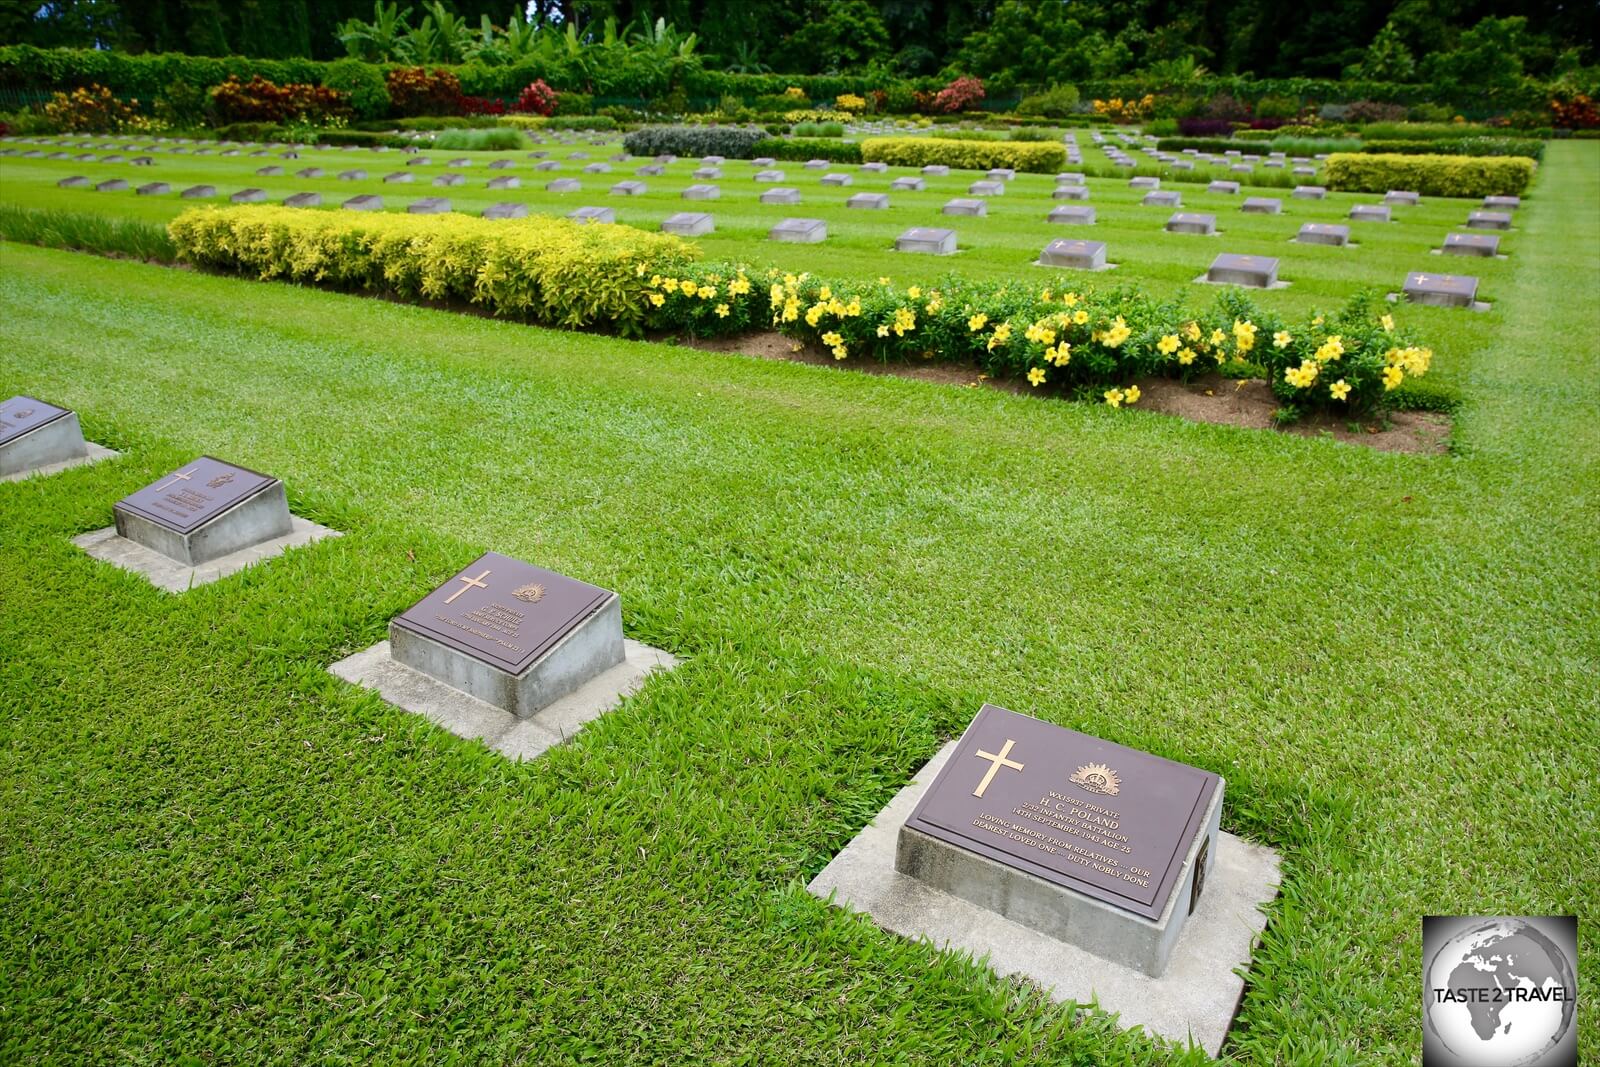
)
(87, 232)
(209, 848)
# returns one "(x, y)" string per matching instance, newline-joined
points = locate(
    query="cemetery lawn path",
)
(213, 851)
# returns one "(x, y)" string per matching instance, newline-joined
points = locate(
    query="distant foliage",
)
(803, 148)
(1432, 175)
(963, 94)
(91, 110)
(362, 84)
(967, 155)
(537, 99)
(1057, 102)
(259, 100)
(416, 91)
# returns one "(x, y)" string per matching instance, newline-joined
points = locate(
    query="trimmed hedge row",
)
(803, 148)
(545, 270)
(1463, 176)
(1476, 145)
(1032, 156)
(732, 142)
(1463, 146)
(1073, 340)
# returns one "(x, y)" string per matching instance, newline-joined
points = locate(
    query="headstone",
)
(1440, 290)
(1071, 215)
(936, 170)
(966, 206)
(204, 510)
(1181, 164)
(249, 196)
(1095, 844)
(667, 158)
(1323, 233)
(142, 161)
(987, 188)
(874, 168)
(597, 168)
(1370, 213)
(563, 185)
(818, 164)
(651, 170)
(1070, 192)
(352, 175)
(363, 203)
(310, 172)
(836, 179)
(35, 434)
(628, 188)
(592, 214)
(1223, 187)
(1489, 220)
(799, 231)
(1070, 178)
(513, 635)
(1401, 198)
(1078, 255)
(688, 223)
(1472, 244)
(399, 177)
(762, 161)
(502, 164)
(269, 172)
(1144, 183)
(1309, 192)
(577, 155)
(1187, 222)
(1163, 198)
(1258, 272)
(198, 192)
(1262, 205)
(505, 181)
(459, 161)
(708, 173)
(781, 195)
(154, 189)
(506, 211)
(418, 161)
(928, 240)
(870, 201)
(428, 205)
(702, 192)
(111, 185)
(547, 165)
(998, 174)
(303, 200)
(1502, 203)
(713, 161)
(448, 179)
(909, 184)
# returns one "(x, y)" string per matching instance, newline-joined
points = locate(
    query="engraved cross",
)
(996, 762)
(470, 583)
(178, 476)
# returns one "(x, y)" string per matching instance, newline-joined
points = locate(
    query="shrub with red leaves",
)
(537, 99)
(259, 100)
(482, 105)
(414, 91)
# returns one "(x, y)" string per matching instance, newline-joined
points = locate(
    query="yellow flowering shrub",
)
(541, 269)
(1039, 157)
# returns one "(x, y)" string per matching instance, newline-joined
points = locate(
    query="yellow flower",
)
(1192, 331)
(1044, 295)
(839, 351)
(1114, 397)
(1063, 354)
(1302, 376)
(1036, 377)
(977, 322)
(656, 299)
(1317, 321)
(707, 292)
(669, 284)
(825, 293)
(831, 338)
(739, 286)
(1330, 350)
(655, 280)
(935, 304)
(722, 311)
(1217, 337)
(813, 314)
(1080, 317)
(1186, 356)
(1132, 395)
(688, 287)
(1339, 389)
(1168, 344)
(883, 331)
(1282, 339)
(1244, 335)
(883, 279)
(1388, 323)
(1071, 300)
(1392, 377)
(1002, 332)
(914, 292)
(1118, 333)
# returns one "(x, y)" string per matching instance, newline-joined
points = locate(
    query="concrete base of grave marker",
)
(167, 573)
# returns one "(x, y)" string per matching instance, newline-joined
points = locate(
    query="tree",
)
(1387, 59)
(1032, 45)
(839, 35)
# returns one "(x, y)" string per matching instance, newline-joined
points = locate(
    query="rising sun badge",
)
(531, 593)
(1097, 778)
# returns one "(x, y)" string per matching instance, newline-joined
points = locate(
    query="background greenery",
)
(211, 850)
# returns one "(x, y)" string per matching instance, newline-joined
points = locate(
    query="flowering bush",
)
(1130, 110)
(414, 91)
(963, 94)
(1067, 339)
(537, 99)
(91, 110)
(850, 103)
(259, 100)
(482, 105)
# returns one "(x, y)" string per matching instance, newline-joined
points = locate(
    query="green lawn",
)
(213, 851)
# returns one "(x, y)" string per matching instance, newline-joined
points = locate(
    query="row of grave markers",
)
(1075, 841)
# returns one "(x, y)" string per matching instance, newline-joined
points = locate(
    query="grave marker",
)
(35, 434)
(1070, 215)
(965, 206)
(1440, 290)
(1472, 244)
(1323, 233)
(1076, 255)
(204, 510)
(1262, 205)
(1256, 272)
(367, 202)
(927, 240)
(869, 201)
(1187, 222)
(1489, 220)
(688, 223)
(592, 214)
(303, 200)
(799, 231)
(428, 205)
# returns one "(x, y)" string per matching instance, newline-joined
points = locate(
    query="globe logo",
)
(1499, 991)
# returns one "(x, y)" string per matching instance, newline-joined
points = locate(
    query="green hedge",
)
(1463, 146)
(967, 155)
(803, 148)
(1463, 176)
(733, 142)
